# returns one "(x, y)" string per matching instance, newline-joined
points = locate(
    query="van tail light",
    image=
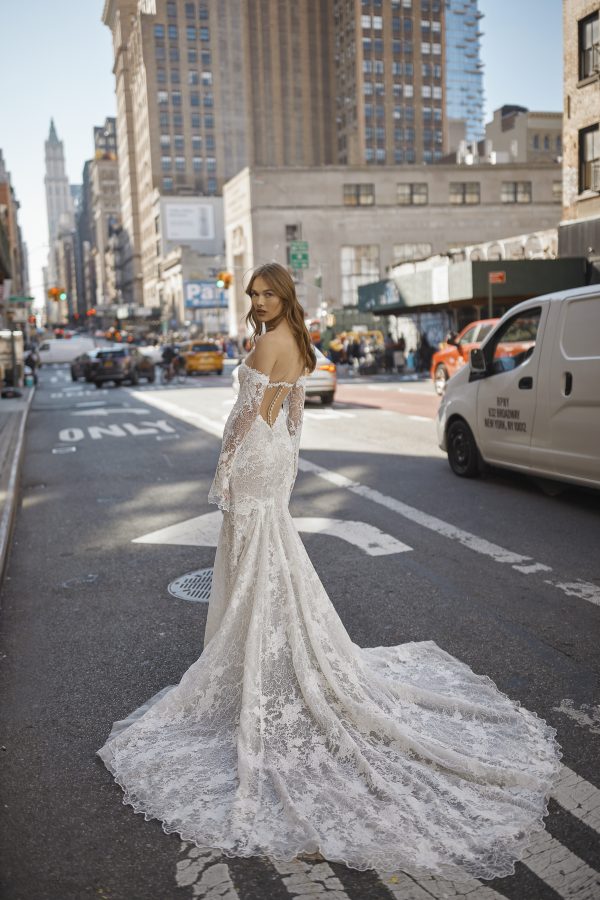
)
(327, 367)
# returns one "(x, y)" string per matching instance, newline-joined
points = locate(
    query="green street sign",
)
(20, 299)
(299, 254)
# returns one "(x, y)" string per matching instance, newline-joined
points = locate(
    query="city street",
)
(114, 512)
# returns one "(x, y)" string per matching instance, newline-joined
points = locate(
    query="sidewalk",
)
(13, 417)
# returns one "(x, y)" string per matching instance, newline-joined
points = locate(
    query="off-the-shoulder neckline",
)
(300, 380)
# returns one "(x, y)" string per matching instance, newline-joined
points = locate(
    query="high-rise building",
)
(389, 81)
(463, 69)
(579, 231)
(14, 275)
(59, 202)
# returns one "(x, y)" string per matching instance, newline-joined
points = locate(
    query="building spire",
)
(53, 137)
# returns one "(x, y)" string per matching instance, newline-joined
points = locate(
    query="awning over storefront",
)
(462, 283)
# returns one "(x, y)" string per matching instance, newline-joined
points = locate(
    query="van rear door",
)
(506, 395)
(566, 438)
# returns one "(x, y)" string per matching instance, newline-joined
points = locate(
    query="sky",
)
(58, 56)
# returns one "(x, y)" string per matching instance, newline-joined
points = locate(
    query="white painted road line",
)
(411, 887)
(578, 797)
(204, 871)
(560, 869)
(524, 564)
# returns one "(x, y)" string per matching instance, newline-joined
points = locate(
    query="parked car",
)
(201, 357)
(447, 361)
(122, 363)
(529, 398)
(321, 383)
(81, 367)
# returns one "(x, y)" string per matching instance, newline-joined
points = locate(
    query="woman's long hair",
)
(280, 281)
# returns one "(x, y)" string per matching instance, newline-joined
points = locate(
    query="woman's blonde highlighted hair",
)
(281, 283)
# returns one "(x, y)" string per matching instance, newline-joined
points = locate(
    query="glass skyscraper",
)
(464, 69)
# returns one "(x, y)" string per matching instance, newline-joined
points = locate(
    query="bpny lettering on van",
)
(503, 418)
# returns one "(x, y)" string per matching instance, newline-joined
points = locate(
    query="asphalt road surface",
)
(114, 512)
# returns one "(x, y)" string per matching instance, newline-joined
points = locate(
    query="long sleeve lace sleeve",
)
(244, 411)
(295, 417)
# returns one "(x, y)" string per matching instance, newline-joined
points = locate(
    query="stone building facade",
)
(361, 221)
(579, 232)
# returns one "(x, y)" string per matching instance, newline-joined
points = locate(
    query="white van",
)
(63, 350)
(530, 397)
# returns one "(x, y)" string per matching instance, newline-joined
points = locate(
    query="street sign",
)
(299, 254)
(20, 299)
(496, 277)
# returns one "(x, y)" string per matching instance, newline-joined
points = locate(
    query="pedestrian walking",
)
(285, 737)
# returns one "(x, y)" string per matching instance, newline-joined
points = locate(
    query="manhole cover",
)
(193, 586)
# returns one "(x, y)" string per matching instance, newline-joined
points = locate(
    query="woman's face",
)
(265, 302)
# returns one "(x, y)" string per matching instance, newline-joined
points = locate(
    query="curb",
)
(12, 490)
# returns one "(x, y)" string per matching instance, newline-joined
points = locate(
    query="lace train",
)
(285, 737)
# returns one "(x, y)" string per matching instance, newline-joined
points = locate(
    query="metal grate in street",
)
(194, 586)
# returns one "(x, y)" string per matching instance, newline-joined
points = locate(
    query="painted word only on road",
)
(123, 429)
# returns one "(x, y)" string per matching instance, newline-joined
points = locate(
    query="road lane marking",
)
(587, 716)
(578, 797)
(521, 563)
(206, 873)
(560, 869)
(203, 531)
(420, 419)
(109, 412)
(159, 428)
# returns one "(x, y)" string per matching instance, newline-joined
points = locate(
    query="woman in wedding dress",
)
(285, 737)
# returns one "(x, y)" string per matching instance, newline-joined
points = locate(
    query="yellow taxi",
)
(202, 356)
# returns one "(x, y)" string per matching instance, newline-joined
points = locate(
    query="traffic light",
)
(62, 295)
(56, 294)
(224, 280)
(31, 319)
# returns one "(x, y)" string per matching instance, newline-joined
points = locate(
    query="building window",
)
(589, 46)
(207, 78)
(174, 53)
(176, 98)
(159, 52)
(203, 13)
(190, 11)
(192, 55)
(208, 100)
(589, 159)
(546, 142)
(536, 142)
(209, 122)
(172, 32)
(175, 79)
(516, 192)
(171, 9)
(163, 97)
(211, 164)
(558, 144)
(196, 143)
(194, 98)
(165, 163)
(464, 192)
(210, 142)
(168, 183)
(557, 191)
(211, 185)
(359, 264)
(165, 140)
(359, 194)
(190, 32)
(414, 193)
(164, 119)
(408, 252)
(206, 58)
(197, 163)
(161, 76)
(195, 120)
(159, 31)
(178, 142)
(193, 77)
(180, 163)
(204, 33)
(177, 120)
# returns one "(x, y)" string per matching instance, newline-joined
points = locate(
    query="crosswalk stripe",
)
(578, 797)
(301, 879)
(408, 887)
(206, 873)
(560, 869)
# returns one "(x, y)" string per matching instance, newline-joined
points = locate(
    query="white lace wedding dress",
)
(285, 737)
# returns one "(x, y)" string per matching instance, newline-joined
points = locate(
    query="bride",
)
(285, 737)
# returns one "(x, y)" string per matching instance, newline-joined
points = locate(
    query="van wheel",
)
(440, 377)
(326, 399)
(463, 454)
(134, 378)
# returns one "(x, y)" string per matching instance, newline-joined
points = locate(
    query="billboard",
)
(203, 295)
(189, 221)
